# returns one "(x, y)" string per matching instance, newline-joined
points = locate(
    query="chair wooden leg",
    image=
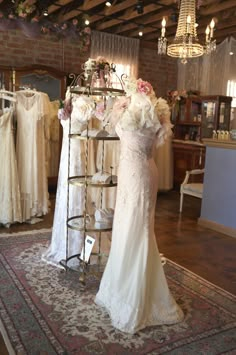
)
(181, 202)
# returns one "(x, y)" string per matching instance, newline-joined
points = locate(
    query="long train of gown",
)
(133, 288)
(10, 206)
(57, 248)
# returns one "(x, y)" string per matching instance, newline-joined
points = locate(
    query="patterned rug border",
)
(202, 278)
(22, 233)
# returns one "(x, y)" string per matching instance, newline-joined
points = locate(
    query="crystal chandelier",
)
(185, 44)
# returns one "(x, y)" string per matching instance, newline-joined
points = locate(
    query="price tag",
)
(87, 248)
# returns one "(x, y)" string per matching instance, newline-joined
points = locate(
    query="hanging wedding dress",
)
(53, 143)
(133, 288)
(59, 249)
(10, 207)
(32, 111)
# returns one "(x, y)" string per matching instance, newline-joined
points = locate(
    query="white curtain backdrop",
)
(209, 74)
(125, 52)
(116, 49)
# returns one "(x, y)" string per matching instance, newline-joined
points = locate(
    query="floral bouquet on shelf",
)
(102, 75)
(102, 63)
(174, 96)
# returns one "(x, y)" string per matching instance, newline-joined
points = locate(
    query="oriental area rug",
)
(44, 311)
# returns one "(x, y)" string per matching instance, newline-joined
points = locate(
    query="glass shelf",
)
(77, 223)
(82, 180)
(106, 138)
(97, 91)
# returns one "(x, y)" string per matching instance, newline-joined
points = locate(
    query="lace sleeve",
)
(163, 112)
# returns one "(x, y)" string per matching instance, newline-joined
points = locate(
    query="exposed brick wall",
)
(160, 71)
(17, 50)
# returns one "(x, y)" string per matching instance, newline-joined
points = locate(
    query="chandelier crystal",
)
(186, 44)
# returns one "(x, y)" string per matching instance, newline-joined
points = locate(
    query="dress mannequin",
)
(133, 289)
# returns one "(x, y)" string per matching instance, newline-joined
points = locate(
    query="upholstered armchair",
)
(191, 188)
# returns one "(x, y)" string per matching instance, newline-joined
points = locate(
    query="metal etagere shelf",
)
(84, 84)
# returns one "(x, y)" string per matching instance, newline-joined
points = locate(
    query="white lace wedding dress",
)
(10, 205)
(133, 288)
(32, 109)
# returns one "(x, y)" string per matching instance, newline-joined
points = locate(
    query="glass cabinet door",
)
(224, 116)
(182, 111)
(195, 111)
(208, 118)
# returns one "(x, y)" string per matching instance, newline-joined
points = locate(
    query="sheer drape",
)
(116, 49)
(209, 74)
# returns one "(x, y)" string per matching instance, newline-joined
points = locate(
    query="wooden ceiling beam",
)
(216, 7)
(126, 17)
(59, 5)
(119, 7)
(90, 4)
(70, 15)
(154, 20)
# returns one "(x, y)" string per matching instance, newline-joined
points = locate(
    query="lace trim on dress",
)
(126, 318)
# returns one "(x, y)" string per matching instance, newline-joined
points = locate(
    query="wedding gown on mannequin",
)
(133, 288)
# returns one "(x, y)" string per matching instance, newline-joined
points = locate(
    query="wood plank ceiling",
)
(128, 17)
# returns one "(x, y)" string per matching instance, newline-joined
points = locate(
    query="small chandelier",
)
(185, 44)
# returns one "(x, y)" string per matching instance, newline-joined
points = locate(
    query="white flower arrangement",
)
(142, 109)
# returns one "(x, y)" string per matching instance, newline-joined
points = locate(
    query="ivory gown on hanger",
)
(10, 207)
(133, 288)
(32, 111)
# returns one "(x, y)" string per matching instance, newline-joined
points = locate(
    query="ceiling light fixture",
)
(185, 44)
(86, 22)
(140, 33)
(139, 7)
(108, 3)
(45, 13)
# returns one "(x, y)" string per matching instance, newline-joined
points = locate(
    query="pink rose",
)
(144, 87)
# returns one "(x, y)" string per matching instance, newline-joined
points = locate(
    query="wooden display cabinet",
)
(215, 114)
(188, 122)
(197, 117)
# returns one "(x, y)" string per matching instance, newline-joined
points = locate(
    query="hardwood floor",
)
(205, 252)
